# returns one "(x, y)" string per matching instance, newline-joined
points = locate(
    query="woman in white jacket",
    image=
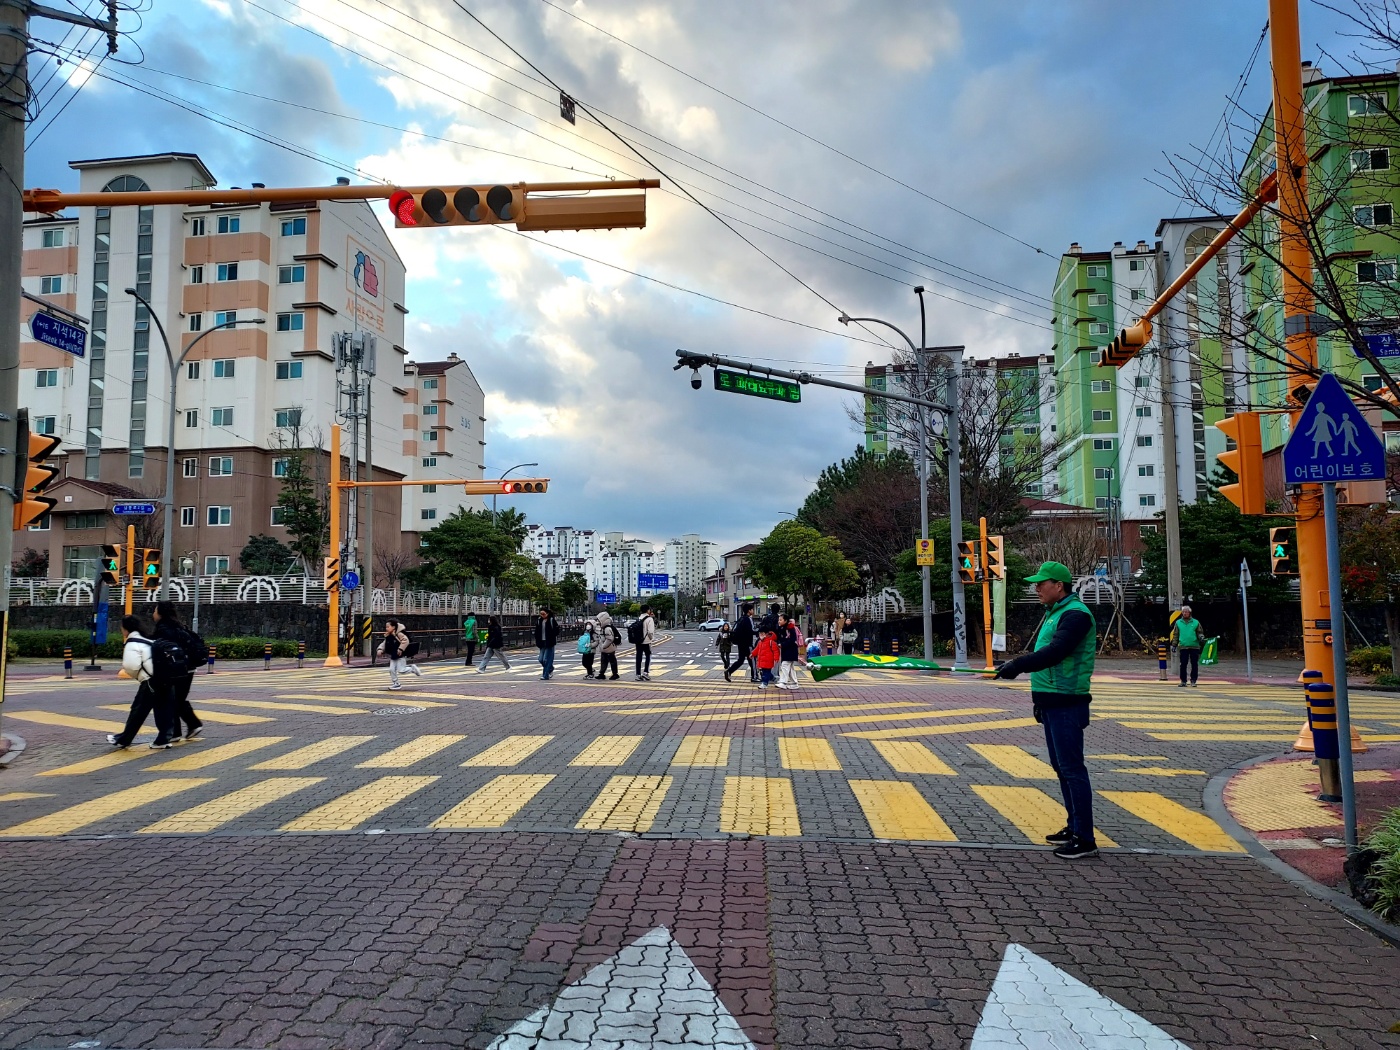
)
(152, 695)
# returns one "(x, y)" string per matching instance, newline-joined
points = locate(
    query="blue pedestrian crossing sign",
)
(1332, 440)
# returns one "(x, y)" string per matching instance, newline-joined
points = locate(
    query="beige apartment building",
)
(308, 271)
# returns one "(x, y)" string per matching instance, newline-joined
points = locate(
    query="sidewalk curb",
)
(1217, 811)
(17, 746)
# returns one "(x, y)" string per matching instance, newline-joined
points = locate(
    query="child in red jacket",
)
(765, 655)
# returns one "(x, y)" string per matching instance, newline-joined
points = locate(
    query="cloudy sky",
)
(862, 146)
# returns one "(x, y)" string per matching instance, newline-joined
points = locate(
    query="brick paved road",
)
(493, 870)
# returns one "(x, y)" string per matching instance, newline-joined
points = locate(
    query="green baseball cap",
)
(1051, 570)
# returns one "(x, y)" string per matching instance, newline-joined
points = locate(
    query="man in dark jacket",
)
(1061, 664)
(743, 637)
(169, 628)
(546, 635)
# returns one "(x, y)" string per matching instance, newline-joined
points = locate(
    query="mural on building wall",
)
(362, 270)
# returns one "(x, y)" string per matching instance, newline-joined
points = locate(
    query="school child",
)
(766, 655)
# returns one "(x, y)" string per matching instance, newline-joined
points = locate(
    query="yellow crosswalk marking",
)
(49, 718)
(1034, 813)
(378, 701)
(87, 813)
(215, 755)
(896, 810)
(492, 805)
(776, 709)
(909, 756)
(115, 757)
(412, 752)
(353, 808)
(608, 751)
(806, 752)
(1130, 758)
(1222, 737)
(219, 811)
(1015, 760)
(509, 752)
(278, 705)
(20, 796)
(313, 753)
(1189, 826)
(759, 806)
(702, 751)
(915, 716)
(626, 804)
(1161, 771)
(688, 698)
(221, 717)
(1256, 725)
(958, 727)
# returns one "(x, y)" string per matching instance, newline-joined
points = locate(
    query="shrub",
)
(50, 643)
(1385, 871)
(1388, 680)
(251, 648)
(1370, 659)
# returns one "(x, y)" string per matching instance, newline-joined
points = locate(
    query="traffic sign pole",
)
(1245, 581)
(1339, 662)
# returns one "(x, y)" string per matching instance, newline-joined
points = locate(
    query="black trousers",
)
(471, 649)
(743, 659)
(643, 658)
(181, 710)
(609, 660)
(1192, 656)
(150, 698)
(588, 663)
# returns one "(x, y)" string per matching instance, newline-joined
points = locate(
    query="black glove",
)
(1007, 670)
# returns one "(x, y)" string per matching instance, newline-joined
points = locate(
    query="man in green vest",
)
(469, 631)
(1186, 636)
(1061, 663)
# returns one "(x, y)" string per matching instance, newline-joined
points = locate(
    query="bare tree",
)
(391, 564)
(1074, 540)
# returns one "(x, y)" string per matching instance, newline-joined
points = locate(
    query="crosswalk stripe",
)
(412, 752)
(896, 810)
(278, 705)
(608, 751)
(49, 718)
(778, 710)
(694, 674)
(626, 804)
(207, 816)
(1015, 760)
(509, 752)
(806, 752)
(1194, 723)
(702, 751)
(221, 717)
(909, 756)
(1176, 820)
(1227, 737)
(1034, 813)
(355, 807)
(907, 716)
(378, 701)
(493, 805)
(959, 727)
(759, 806)
(693, 699)
(215, 755)
(115, 757)
(313, 753)
(20, 796)
(83, 814)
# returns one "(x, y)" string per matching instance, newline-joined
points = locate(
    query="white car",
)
(712, 625)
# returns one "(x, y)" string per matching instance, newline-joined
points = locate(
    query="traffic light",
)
(525, 485)
(150, 568)
(969, 569)
(599, 208)
(996, 557)
(1128, 342)
(1246, 459)
(330, 575)
(32, 474)
(458, 206)
(1281, 557)
(111, 564)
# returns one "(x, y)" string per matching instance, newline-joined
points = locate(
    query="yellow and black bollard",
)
(1322, 720)
(1163, 651)
(366, 643)
(866, 647)
(894, 645)
(301, 653)
(67, 661)
(267, 656)
(213, 652)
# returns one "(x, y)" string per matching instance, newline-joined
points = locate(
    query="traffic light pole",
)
(130, 569)
(986, 594)
(333, 594)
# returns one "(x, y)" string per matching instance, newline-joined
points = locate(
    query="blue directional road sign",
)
(606, 598)
(133, 508)
(653, 581)
(350, 580)
(1385, 344)
(66, 337)
(1332, 440)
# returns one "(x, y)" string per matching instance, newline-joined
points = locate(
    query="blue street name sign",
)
(350, 580)
(133, 508)
(606, 598)
(1332, 440)
(1386, 344)
(60, 334)
(653, 581)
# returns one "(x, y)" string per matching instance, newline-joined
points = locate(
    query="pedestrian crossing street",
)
(695, 783)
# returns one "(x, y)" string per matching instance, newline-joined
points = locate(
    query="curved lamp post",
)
(493, 524)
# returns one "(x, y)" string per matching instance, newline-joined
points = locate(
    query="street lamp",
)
(175, 363)
(493, 524)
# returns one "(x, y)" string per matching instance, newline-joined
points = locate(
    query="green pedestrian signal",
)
(150, 568)
(1281, 558)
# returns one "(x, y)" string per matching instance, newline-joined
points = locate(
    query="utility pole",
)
(953, 400)
(925, 571)
(367, 576)
(1170, 485)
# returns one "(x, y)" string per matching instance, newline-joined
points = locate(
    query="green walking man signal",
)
(1281, 557)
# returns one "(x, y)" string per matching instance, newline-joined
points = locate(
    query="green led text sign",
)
(757, 386)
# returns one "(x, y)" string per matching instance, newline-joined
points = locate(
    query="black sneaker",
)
(1059, 838)
(160, 745)
(112, 739)
(726, 677)
(1077, 849)
(196, 731)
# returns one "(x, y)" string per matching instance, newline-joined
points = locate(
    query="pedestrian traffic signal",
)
(996, 557)
(1246, 460)
(111, 564)
(1281, 551)
(1127, 344)
(150, 568)
(330, 574)
(969, 569)
(32, 474)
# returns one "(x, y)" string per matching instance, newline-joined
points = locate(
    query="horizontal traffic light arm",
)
(50, 201)
(484, 487)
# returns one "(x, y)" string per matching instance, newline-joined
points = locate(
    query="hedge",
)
(51, 643)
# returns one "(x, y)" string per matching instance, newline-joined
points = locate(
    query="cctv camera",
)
(695, 381)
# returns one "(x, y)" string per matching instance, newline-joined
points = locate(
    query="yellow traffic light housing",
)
(111, 564)
(509, 488)
(32, 474)
(1126, 345)
(489, 205)
(996, 557)
(1281, 555)
(969, 567)
(150, 568)
(1246, 460)
(330, 574)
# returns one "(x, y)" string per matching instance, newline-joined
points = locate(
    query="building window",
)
(429, 488)
(46, 425)
(42, 523)
(1147, 501)
(53, 238)
(220, 516)
(429, 514)
(190, 466)
(1098, 299)
(186, 517)
(430, 384)
(1101, 503)
(1103, 444)
(1365, 105)
(197, 226)
(192, 417)
(47, 377)
(279, 467)
(86, 521)
(294, 227)
(191, 369)
(1147, 530)
(196, 322)
(1137, 294)
(430, 410)
(225, 317)
(1143, 411)
(1142, 381)
(279, 516)
(430, 435)
(222, 417)
(1101, 386)
(51, 285)
(227, 272)
(289, 369)
(1103, 473)
(1137, 265)
(1096, 270)
(215, 564)
(1103, 415)
(1096, 357)
(220, 466)
(223, 368)
(294, 322)
(291, 274)
(228, 223)
(288, 417)
(1098, 328)
(1144, 441)
(1370, 159)
(1372, 214)
(1375, 271)
(197, 272)
(430, 461)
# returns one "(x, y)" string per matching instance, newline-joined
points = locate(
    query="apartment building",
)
(688, 561)
(306, 271)
(563, 549)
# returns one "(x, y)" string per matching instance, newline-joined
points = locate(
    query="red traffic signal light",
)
(1126, 346)
(402, 204)
(458, 206)
(1246, 460)
(32, 474)
(524, 485)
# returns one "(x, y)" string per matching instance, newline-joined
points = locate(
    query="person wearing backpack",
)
(546, 636)
(743, 635)
(609, 638)
(641, 634)
(170, 629)
(155, 675)
(495, 645)
(396, 646)
(587, 646)
(469, 629)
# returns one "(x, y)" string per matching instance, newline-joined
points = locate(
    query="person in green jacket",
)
(1186, 636)
(1061, 664)
(469, 630)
